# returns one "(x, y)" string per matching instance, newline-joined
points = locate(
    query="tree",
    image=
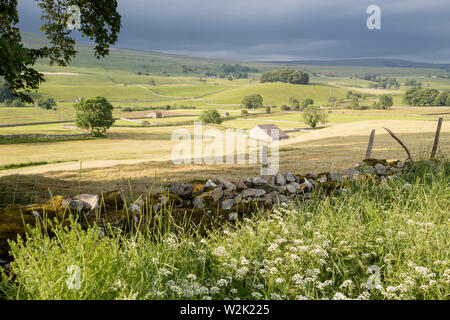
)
(421, 96)
(386, 101)
(47, 104)
(98, 21)
(286, 76)
(94, 114)
(307, 102)
(295, 104)
(211, 116)
(253, 101)
(313, 115)
(5, 94)
(355, 103)
(442, 98)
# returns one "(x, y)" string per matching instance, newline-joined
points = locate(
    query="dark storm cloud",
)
(281, 29)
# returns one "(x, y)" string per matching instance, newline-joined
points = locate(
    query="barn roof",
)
(270, 129)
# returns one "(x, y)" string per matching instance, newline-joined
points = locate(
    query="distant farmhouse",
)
(155, 114)
(268, 132)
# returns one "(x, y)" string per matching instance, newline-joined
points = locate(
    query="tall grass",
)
(367, 241)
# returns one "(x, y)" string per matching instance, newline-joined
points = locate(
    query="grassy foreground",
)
(367, 241)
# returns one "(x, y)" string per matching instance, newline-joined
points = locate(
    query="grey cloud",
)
(282, 29)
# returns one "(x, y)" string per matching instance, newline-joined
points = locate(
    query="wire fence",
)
(22, 190)
(29, 189)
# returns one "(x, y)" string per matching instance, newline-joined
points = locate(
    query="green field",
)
(142, 80)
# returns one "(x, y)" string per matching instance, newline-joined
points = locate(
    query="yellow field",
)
(131, 153)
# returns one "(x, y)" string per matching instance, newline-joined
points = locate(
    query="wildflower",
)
(422, 270)
(219, 251)
(241, 273)
(259, 286)
(233, 291)
(256, 295)
(294, 257)
(176, 289)
(279, 280)
(191, 276)
(347, 284)
(203, 241)
(275, 296)
(323, 285)
(222, 282)
(364, 296)
(118, 285)
(273, 270)
(164, 272)
(214, 290)
(339, 296)
(277, 261)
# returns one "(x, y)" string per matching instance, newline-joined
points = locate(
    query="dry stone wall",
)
(200, 202)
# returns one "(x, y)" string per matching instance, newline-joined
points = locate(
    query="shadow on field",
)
(325, 155)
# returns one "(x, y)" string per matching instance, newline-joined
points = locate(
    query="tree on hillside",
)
(295, 104)
(253, 101)
(98, 21)
(47, 104)
(421, 96)
(94, 114)
(442, 99)
(211, 116)
(386, 101)
(286, 76)
(313, 115)
(307, 102)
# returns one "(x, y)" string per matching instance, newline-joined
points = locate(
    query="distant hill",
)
(376, 63)
(163, 64)
(135, 61)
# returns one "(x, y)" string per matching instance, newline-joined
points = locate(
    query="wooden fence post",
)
(436, 138)
(15, 190)
(369, 147)
(265, 160)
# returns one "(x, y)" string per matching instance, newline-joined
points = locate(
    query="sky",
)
(282, 30)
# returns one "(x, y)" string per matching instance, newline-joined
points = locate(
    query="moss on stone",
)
(113, 200)
(372, 162)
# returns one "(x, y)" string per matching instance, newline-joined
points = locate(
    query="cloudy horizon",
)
(258, 30)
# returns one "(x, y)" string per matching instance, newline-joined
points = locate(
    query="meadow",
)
(319, 249)
(366, 241)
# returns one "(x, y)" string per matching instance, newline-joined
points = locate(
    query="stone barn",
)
(267, 132)
(155, 114)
